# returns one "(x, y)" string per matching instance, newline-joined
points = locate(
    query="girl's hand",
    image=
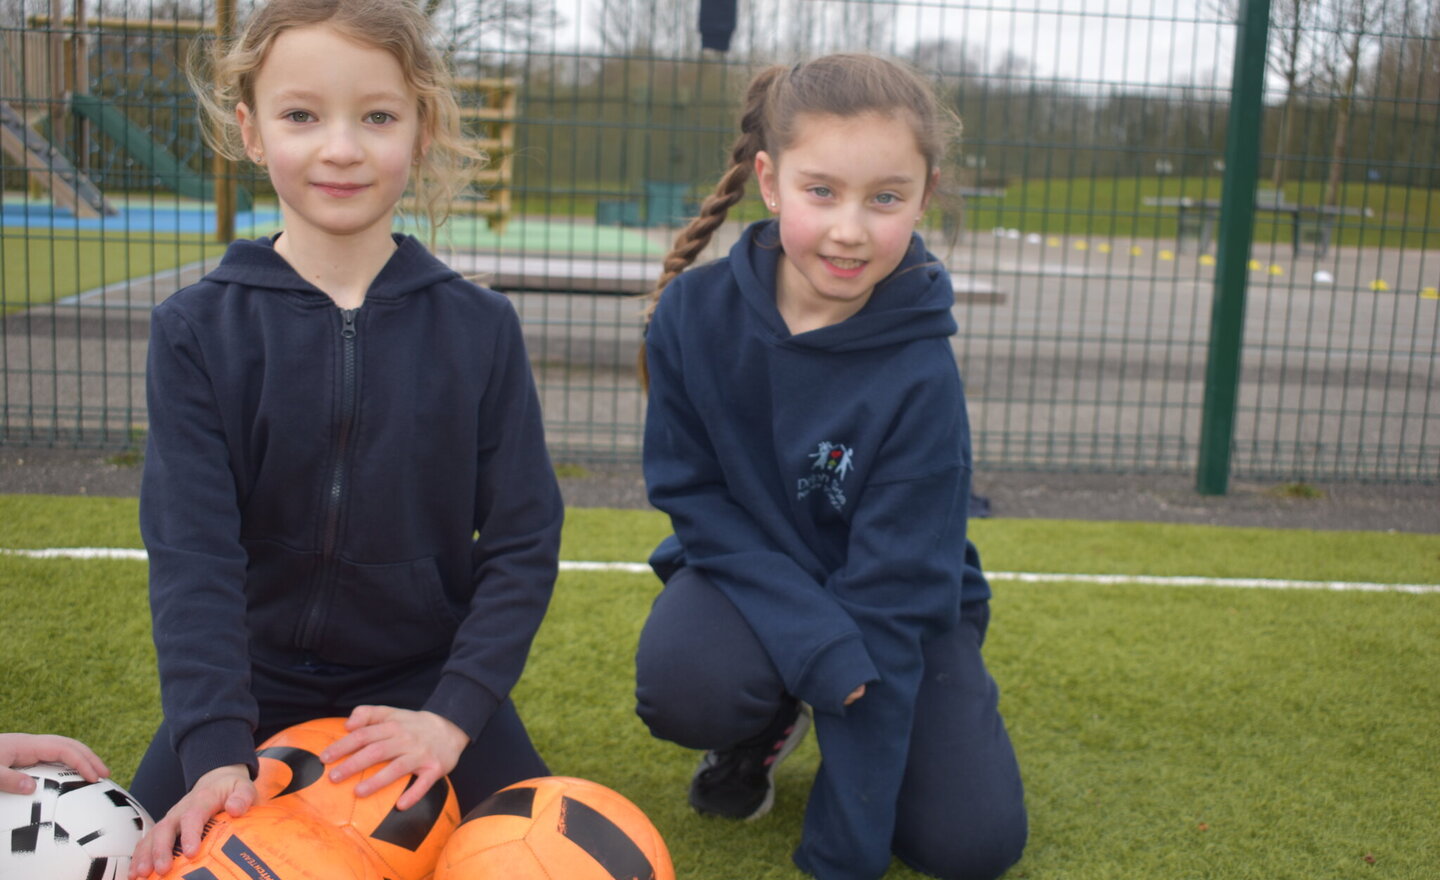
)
(225, 788)
(24, 749)
(855, 695)
(419, 743)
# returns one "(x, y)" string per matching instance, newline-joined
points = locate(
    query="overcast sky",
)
(1107, 41)
(1091, 41)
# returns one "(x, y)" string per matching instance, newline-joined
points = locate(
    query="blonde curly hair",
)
(224, 77)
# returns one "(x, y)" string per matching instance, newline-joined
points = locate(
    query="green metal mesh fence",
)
(1079, 216)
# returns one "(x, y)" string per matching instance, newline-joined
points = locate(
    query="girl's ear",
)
(766, 177)
(931, 186)
(248, 136)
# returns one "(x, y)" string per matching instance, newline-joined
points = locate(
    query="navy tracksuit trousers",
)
(704, 681)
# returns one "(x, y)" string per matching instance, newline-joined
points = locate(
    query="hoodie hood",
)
(256, 264)
(912, 302)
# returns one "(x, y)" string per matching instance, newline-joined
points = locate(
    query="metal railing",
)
(1085, 228)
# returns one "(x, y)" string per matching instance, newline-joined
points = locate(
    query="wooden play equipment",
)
(49, 168)
(40, 69)
(55, 86)
(94, 113)
(487, 111)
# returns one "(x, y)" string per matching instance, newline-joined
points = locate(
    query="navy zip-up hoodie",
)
(359, 488)
(821, 481)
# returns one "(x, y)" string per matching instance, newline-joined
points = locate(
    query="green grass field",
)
(38, 266)
(1163, 731)
(1115, 207)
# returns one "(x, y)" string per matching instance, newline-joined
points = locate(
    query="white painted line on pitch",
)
(1030, 577)
(631, 567)
(79, 553)
(1027, 577)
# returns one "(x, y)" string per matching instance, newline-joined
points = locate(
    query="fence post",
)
(1237, 227)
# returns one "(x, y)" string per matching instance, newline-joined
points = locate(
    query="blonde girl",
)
(807, 435)
(347, 502)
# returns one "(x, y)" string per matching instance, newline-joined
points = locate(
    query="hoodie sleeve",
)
(901, 584)
(190, 521)
(812, 640)
(904, 568)
(518, 515)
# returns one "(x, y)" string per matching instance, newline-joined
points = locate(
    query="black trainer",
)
(739, 782)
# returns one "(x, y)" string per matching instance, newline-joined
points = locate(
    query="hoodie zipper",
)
(335, 491)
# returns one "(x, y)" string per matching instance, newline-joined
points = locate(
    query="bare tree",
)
(12, 14)
(1291, 22)
(1407, 67)
(156, 10)
(647, 27)
(947, 57)
(791, 30)
(1348, 29)
(473, 32)
(1291, 55)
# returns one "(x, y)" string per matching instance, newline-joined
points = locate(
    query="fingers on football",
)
(364, 716)
(363, 760)
(153, 851)
(78, 756)
(412, 795)
(15, 782)
(362, 732)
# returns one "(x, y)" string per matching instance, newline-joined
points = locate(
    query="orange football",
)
(407, 843)
(275, 841)
(555, 826)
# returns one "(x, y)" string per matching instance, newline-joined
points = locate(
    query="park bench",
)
(952, 202)
(1311, 226)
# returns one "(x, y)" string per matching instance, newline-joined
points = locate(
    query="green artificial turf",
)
(1163, 732)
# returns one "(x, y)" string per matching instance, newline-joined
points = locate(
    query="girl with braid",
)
(807, 435)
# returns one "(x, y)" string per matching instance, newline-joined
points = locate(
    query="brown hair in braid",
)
(844, 85)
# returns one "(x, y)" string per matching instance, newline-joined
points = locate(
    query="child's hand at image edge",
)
(24, 749)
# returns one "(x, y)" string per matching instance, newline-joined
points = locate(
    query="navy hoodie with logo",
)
(359, 488)
(821, 481)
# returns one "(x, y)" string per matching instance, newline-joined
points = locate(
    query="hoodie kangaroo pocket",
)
(279, 584)
(380, 614)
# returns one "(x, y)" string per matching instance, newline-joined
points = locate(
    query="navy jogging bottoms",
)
(704, 681)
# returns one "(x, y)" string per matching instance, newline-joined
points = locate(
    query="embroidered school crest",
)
(830, 463)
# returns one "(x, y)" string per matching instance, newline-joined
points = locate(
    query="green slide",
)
(171, 172)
